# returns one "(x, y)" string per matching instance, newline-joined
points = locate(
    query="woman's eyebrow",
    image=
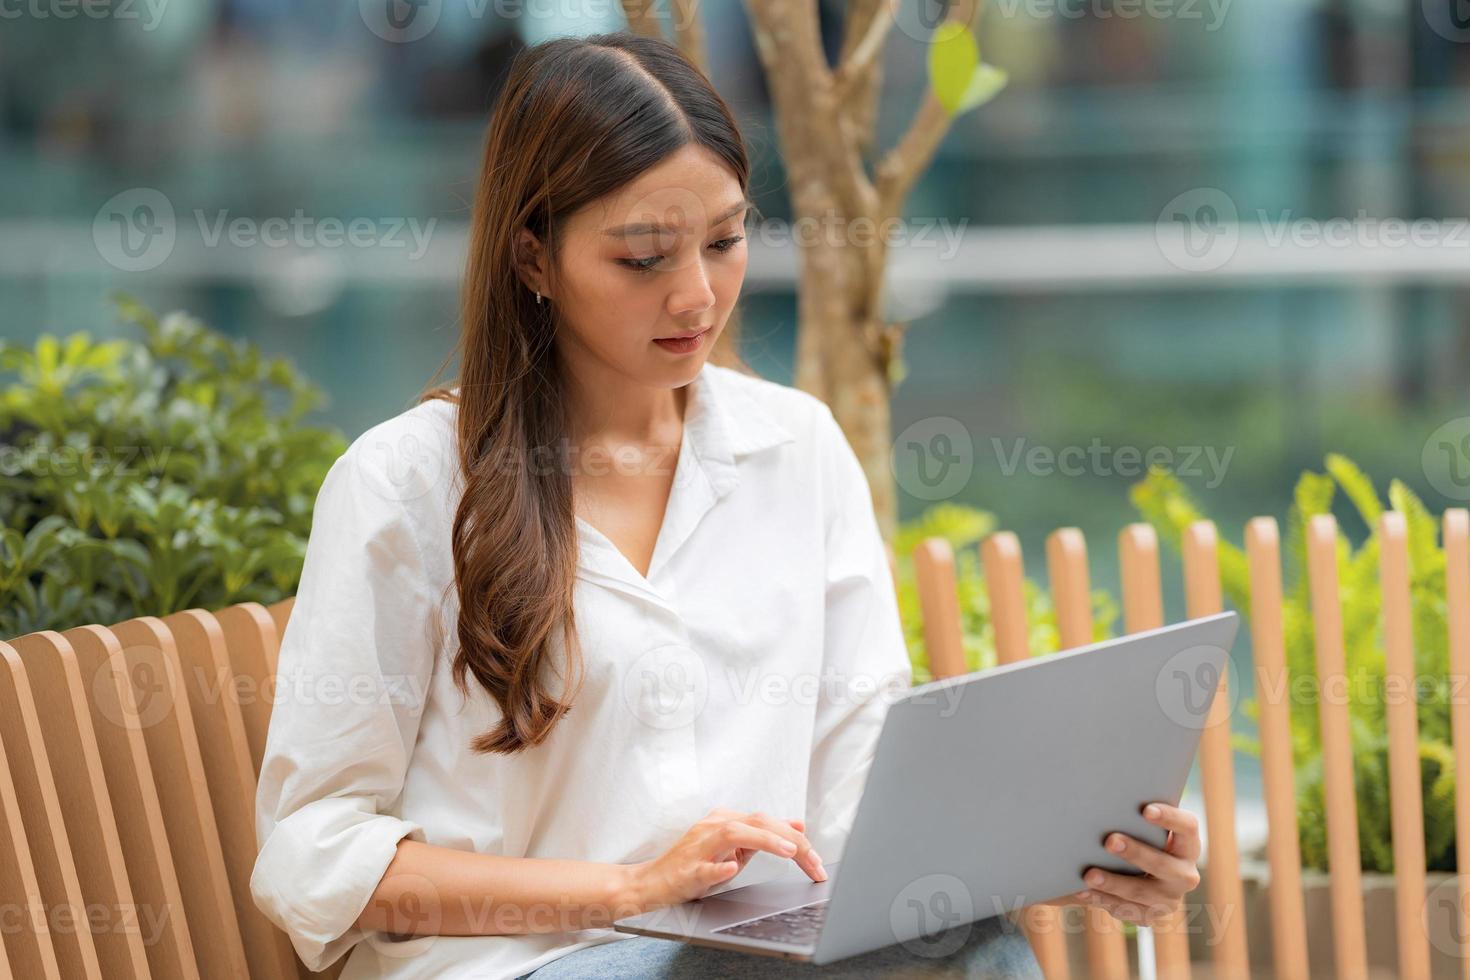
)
(648, 229)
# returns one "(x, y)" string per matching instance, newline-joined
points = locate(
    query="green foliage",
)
(964, 527)
(1165, 503)
(148, 477)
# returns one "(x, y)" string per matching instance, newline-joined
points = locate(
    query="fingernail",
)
(821, 871)
(1083, 896)
(1115, 844)
(787, 847)
(1152, 812)
(1094, 879)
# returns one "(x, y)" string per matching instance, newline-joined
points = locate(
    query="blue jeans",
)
(993, 948)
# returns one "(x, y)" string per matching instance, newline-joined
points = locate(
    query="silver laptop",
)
(988, 792)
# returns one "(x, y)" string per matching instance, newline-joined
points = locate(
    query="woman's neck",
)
(610, 409)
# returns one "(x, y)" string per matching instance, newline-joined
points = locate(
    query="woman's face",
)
(662, 257)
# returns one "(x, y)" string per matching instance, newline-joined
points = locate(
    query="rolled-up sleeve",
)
(355, 663)
(865, 658)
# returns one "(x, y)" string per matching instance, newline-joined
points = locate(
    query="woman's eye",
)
(646, 264)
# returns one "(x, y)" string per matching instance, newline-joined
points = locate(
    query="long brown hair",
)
(576, 119)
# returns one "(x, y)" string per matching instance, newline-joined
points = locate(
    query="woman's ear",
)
(531, 262)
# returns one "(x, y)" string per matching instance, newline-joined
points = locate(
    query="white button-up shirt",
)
(749, 669)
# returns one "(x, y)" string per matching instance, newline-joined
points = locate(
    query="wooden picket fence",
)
(1225, 934)
(129, 756)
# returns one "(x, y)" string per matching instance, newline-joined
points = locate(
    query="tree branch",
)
(689, 32)
(901, 166)
(789, 43)
(867, 29)
(788, 39)
(859, 73)
(641, 19)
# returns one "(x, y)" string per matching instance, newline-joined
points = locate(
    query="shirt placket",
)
(671, 676)
(683, 671)
(680, 695)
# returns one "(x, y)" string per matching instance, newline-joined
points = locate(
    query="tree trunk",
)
(825, 115)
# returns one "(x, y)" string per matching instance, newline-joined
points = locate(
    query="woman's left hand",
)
(1169, 874)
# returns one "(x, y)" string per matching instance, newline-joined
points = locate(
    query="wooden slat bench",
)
(127, 799)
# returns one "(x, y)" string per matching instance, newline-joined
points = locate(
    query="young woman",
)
(607, 622)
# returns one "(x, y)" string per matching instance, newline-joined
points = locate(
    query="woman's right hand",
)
(715, 850)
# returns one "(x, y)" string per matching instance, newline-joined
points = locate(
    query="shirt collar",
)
(722, 424)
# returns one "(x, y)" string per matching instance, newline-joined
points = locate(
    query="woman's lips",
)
(683, 345)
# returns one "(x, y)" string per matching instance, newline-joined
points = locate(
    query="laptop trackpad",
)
(735, 905)
(776, 895)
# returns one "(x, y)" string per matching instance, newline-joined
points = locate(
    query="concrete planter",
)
(1447, 944)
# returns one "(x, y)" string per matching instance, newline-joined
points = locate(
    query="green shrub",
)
(1165, 503)
(145, 477)
(963, 527)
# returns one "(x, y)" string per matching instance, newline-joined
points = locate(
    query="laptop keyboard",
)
(795, 927)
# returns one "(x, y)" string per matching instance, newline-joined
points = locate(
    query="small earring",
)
(538, 298)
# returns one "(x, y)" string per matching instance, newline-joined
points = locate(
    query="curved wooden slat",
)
(1005, 584)
(1217, 768)
(1278, 772)
(135, 804)
(1071, 589)
(169, 731)
(1457, 609)
(944, 633)
(250, 634)
(280, 614)
(61, 697)
(1143, 609)
(40, 810)
(253, 641)
(214, 701)
(1349, 944)
(26, 938)
(1406, 802)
